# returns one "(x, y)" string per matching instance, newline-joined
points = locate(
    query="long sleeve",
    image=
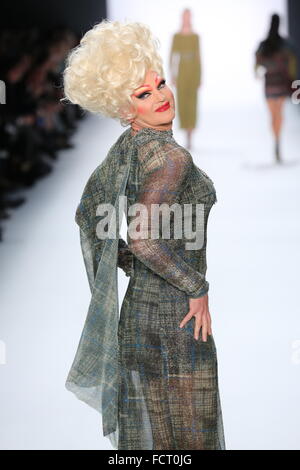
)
(259, 59)
(293, 65)
(164, 169)
(174, 57)
(198, 62)
(125, 257)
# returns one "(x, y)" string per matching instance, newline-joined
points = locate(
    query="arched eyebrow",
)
(146, 85)
(143, 86)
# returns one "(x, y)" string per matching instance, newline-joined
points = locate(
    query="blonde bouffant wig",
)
(109, 63)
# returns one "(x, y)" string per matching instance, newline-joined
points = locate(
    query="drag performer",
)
(152, 372)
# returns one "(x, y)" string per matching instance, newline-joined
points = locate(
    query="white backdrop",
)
(229, 32)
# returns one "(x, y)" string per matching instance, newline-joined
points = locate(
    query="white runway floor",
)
(253, 259)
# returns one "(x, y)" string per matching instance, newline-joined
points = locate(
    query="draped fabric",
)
(94, 374)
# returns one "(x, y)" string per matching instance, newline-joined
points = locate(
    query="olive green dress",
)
(186, 69)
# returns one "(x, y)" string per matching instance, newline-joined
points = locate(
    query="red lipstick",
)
(164, 107)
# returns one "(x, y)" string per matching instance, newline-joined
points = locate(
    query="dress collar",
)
(150, 131)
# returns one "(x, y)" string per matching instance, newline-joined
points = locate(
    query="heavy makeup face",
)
(153, 104)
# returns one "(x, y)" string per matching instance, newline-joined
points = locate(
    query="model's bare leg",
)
(275, 106)
(189, 137)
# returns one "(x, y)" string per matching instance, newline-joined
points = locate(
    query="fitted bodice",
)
(195, 188)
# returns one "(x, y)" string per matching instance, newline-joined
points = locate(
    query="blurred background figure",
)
(185, 66)
(277, 57)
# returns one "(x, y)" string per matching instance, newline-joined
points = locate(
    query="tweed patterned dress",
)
(168, 384)
(281, 70)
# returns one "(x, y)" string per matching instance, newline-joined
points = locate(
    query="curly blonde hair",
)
(110, 61)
